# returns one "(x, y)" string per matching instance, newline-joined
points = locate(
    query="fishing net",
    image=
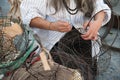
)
(65, 65)
(72, 60)
(16, 45)
(108, 59)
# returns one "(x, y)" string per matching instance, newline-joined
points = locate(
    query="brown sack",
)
(12, 30)
(36, 72)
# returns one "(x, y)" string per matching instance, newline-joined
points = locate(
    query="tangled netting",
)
(12, 49)
(72, 58)
(66, 54)
(7, 49)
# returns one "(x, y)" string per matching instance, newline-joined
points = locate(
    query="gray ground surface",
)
(5, 7)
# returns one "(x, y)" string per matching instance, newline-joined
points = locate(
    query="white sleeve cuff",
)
(31, 9)
(99, 6)
(31, 16)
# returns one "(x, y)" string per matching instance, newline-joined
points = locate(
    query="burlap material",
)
(17, 43)
(13, 30)
(36, 72)
(8, 33)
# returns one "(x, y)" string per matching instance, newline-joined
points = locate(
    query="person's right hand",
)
(60, 26)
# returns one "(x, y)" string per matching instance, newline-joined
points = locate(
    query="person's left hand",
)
(92, 32)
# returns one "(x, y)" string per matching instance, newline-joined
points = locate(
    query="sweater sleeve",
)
(32, 8)
(100, 5)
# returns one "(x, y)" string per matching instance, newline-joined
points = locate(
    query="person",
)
(51, 20)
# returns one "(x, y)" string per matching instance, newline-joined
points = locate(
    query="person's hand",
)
(61, 26)
(92, 32)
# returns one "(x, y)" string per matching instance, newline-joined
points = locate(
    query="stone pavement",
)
(5, 7)
(116, 7)
(111, 66)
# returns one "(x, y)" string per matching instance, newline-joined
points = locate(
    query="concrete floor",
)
(5, 7)
(111, 66)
